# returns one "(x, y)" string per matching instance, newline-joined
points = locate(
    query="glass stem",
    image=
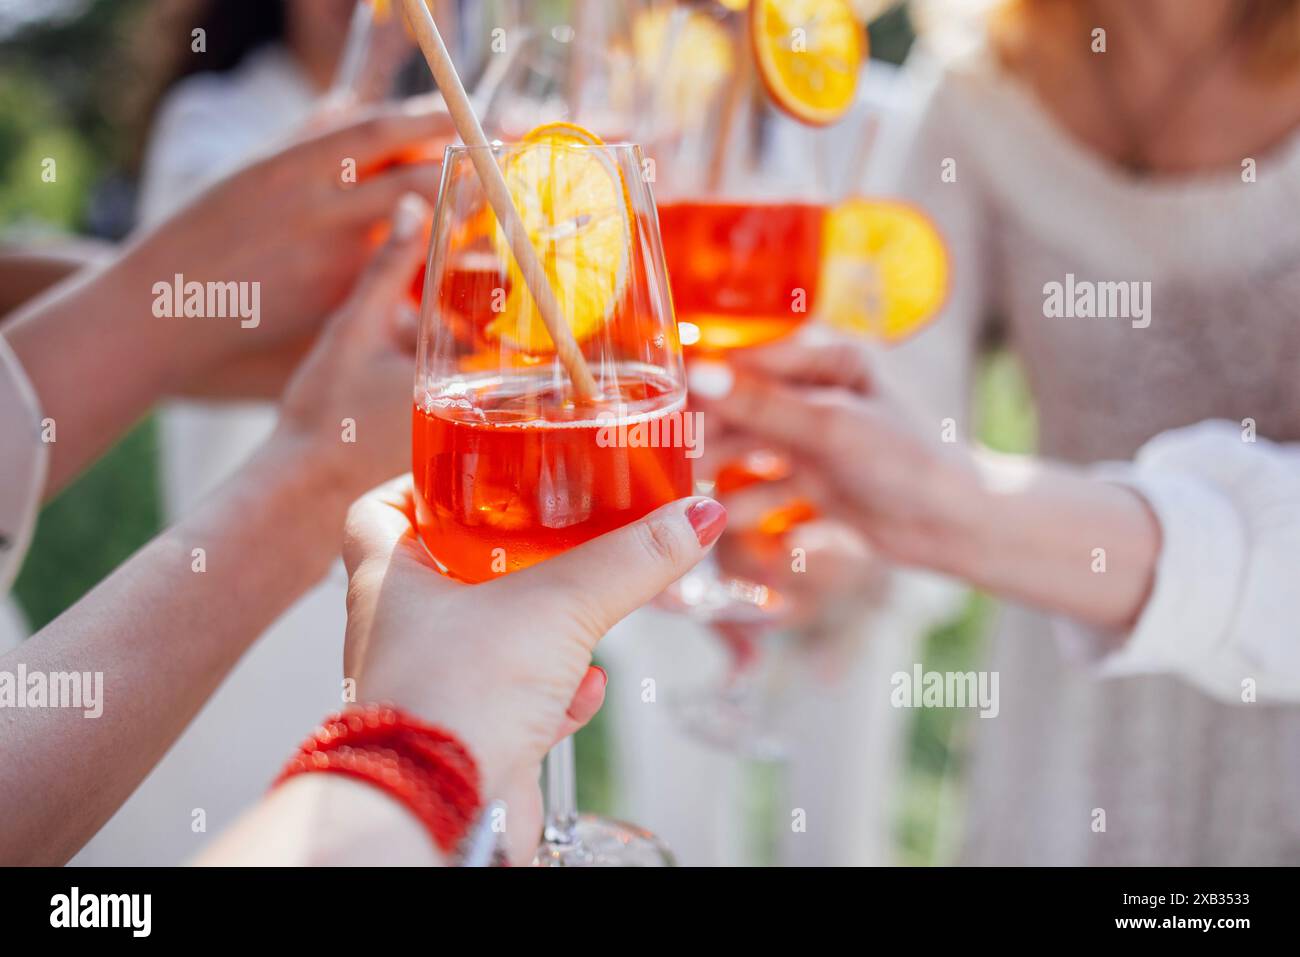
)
(561, 794)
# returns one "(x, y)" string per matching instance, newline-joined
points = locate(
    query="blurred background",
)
(75, 81)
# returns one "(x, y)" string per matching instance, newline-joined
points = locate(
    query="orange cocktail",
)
(742, 273)
(506, 478)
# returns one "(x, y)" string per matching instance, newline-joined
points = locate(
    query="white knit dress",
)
(1183, 776)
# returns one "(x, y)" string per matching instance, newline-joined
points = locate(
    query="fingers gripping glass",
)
(511, 466)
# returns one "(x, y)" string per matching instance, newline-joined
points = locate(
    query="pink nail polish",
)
(708, 518)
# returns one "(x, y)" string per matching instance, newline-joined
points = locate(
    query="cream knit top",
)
(1155, 744)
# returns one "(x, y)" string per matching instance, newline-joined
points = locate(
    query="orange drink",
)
(742, 273)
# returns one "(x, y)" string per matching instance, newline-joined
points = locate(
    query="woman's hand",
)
(291, 231)
(852, 451)
(1016, 526)
(348, 406)
(301, 223)
(505, 665)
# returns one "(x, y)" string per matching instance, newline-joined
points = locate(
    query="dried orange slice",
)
(809, 54)
(884, 269)
(575, 211)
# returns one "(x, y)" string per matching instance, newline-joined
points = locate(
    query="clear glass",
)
(743, 193)
(511, 467)
(382, 61)
(571, 62)
(523, 63)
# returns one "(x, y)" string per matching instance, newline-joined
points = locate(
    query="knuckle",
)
(843, 425)
(659, 542)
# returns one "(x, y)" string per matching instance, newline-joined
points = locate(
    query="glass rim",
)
(502, 145)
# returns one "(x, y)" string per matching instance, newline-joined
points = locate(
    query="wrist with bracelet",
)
(423, 767)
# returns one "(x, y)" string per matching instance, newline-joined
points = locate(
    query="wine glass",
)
(511, 464)
(743, 197)
(381, 60)
(569, 62)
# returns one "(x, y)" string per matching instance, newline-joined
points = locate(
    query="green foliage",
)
(31, 132)
(891, 35)
(1004, 407)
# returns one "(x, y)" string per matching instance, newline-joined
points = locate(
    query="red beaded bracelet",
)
(424, 767)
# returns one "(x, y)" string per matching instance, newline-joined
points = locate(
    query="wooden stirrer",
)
(498, 195)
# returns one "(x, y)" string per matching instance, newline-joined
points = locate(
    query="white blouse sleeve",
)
(23, 463)
(1224, 612)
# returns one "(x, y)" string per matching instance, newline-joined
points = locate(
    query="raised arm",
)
(507, 671)
(291, 228)
(167, 626)
(1175, 562)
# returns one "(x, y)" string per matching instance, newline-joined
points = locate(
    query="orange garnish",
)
(884, 269)
(809, 54)
(574, 207)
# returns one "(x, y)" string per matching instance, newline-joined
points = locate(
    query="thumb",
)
(388, 276)
(610, 577)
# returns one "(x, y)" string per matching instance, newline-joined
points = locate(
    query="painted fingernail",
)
(708, 518)
(604, 676)
(409, 217)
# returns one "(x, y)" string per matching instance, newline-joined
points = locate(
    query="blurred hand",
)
(853, 454)
(505, 665)
(348, 406)
(302, 222)
(781, 536)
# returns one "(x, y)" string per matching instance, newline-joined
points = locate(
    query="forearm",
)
(325, 820)
(1048, 536)
(98, 359)
(163, 630)
(26, 273)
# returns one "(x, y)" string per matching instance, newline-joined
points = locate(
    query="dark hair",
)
(164, 51)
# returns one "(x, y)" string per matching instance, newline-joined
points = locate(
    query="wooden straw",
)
(498, 195)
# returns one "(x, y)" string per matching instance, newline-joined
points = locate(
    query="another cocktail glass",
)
(743, 196)
(511, 466)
